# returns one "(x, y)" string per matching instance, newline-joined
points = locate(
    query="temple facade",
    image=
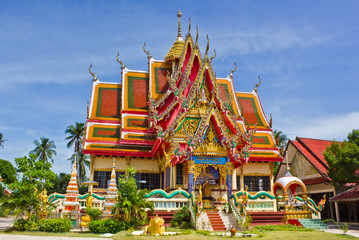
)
(180, 126)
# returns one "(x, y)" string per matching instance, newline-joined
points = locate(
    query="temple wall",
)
(256, 168)
(104, 163)
(145, 164)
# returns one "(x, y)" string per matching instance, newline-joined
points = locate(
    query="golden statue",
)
(207, 189)
(155, 226)
(89, 200)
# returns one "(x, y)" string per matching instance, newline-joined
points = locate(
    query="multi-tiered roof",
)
(174, 107)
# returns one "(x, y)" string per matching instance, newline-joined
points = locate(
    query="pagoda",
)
(111, 196)
(71, 203)
(180, 126)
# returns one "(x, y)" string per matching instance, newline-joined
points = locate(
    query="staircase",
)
(229, 221)
(167, 216)
(216, 221)
(267, 218)
(312, 223)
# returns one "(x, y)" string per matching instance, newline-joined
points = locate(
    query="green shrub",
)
(22, 225)
(107, 226)
(55, 225)
(94, 213)
(282, 227)
(182, 218)
(203, 232)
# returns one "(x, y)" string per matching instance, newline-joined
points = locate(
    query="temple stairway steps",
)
(167, 216)
(216, 221)
(312, 223)
(267, 218)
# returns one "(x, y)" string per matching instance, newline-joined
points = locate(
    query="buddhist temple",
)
(180, 126)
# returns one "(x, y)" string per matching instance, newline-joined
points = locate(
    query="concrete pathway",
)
(354, 233)
(26, 237)
(6, 222)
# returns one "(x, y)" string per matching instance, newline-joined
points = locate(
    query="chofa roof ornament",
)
(94, 78)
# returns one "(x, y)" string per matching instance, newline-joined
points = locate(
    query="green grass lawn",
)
(262, 235)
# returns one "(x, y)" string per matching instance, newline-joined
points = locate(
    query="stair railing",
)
(192, 204)
(312, 207)
(236, 214)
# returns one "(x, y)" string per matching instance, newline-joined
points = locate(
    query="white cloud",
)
(331, 127)
(31, 132)
(249, 41)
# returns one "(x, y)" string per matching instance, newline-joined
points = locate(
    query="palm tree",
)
(22, 202)
(76, 134)
(281, 140)
(44, 150)
(2, 141)
(82, 161)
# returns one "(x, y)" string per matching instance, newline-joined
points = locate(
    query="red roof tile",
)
(313, 150)
(349, 195)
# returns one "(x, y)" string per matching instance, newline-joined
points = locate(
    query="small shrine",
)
(293, 206)
(111, 196)
(71, 203)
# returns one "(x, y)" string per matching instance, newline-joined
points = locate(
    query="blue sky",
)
(306, 52)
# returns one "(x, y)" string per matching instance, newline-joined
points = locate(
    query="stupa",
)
(71, 203)
(111, 197)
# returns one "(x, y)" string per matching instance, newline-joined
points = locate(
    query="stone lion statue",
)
(155, 226)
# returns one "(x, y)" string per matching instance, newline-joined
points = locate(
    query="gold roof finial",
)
(213, 57)
(179, 15)
(197, 35)
(258, 84)
(207, 48)
(189, 26)
(235, 69)
(147, 52)
(94, 78)
(120, 62)
(178, 45)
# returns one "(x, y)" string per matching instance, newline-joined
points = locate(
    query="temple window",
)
(238, 180)
(148, 180)
(168, 177)
(103, 178)
(179, 174)
(257, 183)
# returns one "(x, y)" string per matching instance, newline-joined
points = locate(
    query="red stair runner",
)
(167, 216)
(216, 221)
(267, 218)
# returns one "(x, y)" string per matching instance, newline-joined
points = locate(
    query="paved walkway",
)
(6, 222)
(27, 237)
(354, 233)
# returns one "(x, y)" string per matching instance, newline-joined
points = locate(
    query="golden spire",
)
(179, 15)
(178, 45)
(189, 26)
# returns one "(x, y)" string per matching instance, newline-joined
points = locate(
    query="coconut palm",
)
(76, 134)
(281, 140)
(82, 161)
(2, 140)
(44, 150)
(22, 202)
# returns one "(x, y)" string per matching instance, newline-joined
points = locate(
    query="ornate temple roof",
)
(134, 118)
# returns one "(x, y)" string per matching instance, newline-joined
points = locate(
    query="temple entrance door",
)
(208, 180)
